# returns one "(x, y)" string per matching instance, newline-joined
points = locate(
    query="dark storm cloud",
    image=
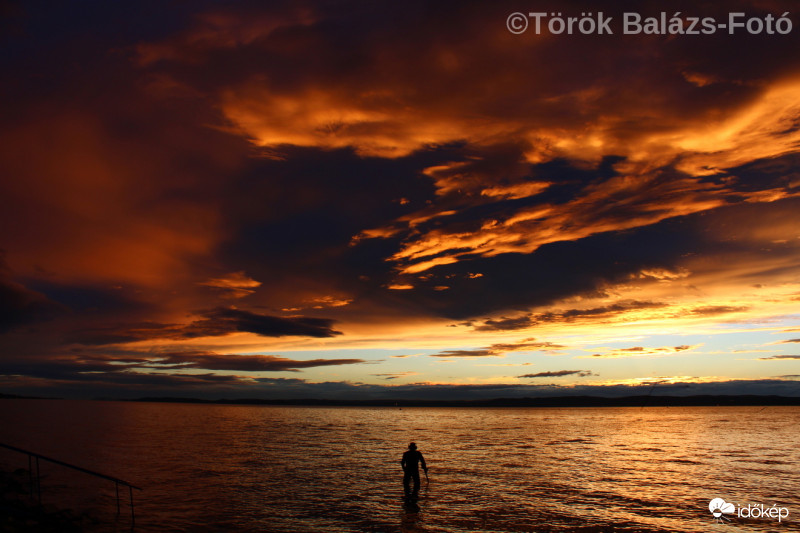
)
(140, 370)
(309, 206)
(93, 374)
(89, 299)
(20, 305)
(506, 324)
(246, 363)
(466, 353)
(555, 271)
(217, 322)
(608, 310)
(558, 374)
(59, 369)
(222, 321)
(526, 321)
(122, 333)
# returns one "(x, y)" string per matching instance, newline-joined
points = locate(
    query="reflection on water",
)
(294, 469)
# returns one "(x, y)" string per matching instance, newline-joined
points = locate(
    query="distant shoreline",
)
(562, 401)
(556, 401)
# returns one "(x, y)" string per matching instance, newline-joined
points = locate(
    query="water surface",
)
(210, 468)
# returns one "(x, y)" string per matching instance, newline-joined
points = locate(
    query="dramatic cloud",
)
(367, 183)
(19, 305)
(467, 353)
(712, 310)
(121, 334)
(222, 321)
(173, 368)
(596, 313)
(558, 374)
(502, 348)
(506, 324)
(217, 322)
(94, 372)
(234, 285)
(246, 363)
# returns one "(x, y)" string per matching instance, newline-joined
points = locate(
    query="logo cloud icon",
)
(720, 507)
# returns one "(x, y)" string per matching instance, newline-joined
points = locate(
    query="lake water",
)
(215, 468)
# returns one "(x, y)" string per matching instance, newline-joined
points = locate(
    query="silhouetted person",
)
(410, 463)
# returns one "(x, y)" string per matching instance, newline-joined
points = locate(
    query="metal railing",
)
(38, 485)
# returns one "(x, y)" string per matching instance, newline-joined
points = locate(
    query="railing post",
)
(133, 517)
(30, 476)
(38, 481)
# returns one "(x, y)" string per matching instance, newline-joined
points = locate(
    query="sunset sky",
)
(395, 200)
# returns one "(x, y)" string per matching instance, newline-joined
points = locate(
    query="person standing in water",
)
(410, 463)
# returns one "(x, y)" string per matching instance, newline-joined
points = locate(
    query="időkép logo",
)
(719, 508)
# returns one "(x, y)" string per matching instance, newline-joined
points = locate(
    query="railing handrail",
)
(62, 463)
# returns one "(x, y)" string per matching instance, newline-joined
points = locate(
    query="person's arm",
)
(403, 462)
(422, 460)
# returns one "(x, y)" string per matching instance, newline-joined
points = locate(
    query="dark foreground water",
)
(295, 469)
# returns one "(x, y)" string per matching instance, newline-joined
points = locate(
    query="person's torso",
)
(411, 458)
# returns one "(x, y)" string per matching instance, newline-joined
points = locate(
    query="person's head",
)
(412, 446)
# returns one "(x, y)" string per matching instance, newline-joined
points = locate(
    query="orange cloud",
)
(535, 118)
(640, 351)
(234, 285)
(602, 208)
(83, 211)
